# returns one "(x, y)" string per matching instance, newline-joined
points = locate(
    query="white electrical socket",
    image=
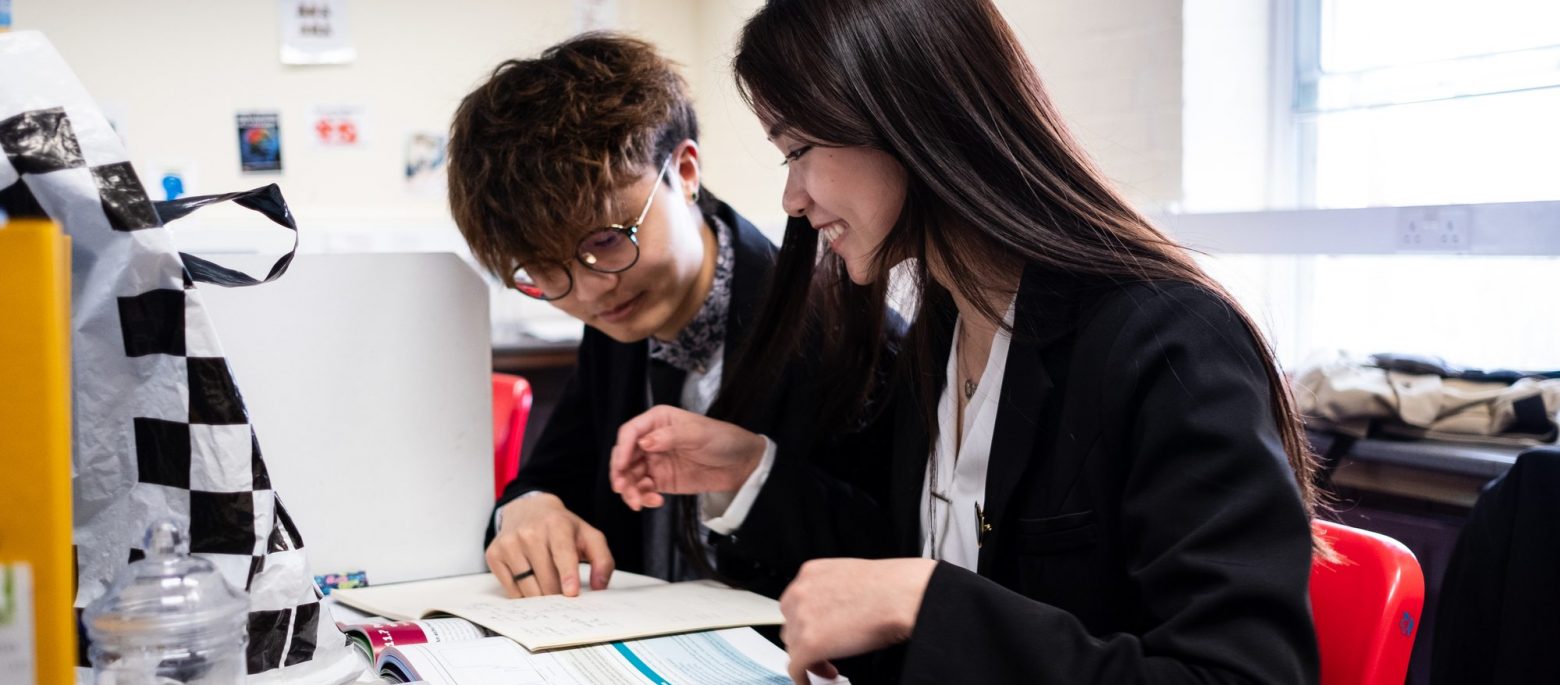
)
(1434, 229)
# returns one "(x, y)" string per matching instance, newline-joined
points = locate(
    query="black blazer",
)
(1145, 524)
(608, 388)
(1495, 619)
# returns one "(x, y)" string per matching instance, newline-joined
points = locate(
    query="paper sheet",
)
(412, 601)
(555, 621)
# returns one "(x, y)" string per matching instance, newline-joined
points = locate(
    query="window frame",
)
(1297, 73)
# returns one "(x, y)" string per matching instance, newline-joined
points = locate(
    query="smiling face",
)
(852, 195)
(655, 294)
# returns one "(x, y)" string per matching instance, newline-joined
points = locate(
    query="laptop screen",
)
(367, 378)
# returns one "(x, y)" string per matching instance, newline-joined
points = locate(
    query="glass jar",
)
(168, 618)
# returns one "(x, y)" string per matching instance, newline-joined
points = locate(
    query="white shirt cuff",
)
(724, 512)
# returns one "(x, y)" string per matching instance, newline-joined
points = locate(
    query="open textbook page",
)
(417, 599)
(631, 607)
(737, 656)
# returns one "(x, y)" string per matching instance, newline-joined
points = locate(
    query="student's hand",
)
(843, 607)
(540, 534)
(673, 451)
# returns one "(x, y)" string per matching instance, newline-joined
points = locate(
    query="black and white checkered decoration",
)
(160, 425)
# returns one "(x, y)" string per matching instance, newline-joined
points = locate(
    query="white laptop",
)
(367, 378)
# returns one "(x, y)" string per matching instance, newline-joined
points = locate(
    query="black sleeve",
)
(826, 495)
(828, 502)
(562, 461)
(1213, 533)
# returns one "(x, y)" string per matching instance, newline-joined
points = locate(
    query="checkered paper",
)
(160, 426)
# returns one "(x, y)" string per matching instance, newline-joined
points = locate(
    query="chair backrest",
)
(1366, 607)
(511, 410)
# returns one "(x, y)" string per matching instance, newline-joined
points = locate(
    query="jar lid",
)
(168, 595)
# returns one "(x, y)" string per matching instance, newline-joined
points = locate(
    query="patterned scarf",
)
(697, 343)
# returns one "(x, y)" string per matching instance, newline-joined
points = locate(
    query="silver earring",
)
(694, 197)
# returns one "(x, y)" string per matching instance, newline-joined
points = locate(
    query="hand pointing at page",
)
(673, 451)
(539, 547)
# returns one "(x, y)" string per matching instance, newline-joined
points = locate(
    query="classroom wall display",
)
(315, 32)
(171, 179)
(427, 154)
(595, 15)
(337, 126)
(160, 428)
(259, 141)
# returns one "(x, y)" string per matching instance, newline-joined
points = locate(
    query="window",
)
(1408, 102)
(1483, 312)
(1377, 104)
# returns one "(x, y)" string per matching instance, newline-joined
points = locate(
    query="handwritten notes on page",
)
(415, 600)
(555, 621)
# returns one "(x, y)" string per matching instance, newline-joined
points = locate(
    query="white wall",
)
(1228, 136)
(175, 71)
(1113, 68)
(178, 70)
(740, 165)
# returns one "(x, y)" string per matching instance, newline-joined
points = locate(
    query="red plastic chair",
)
(511, 409)
(1366, 607)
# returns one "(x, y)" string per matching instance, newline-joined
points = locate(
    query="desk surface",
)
(531, 354)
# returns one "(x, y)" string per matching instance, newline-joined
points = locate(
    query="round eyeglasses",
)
(609, 250)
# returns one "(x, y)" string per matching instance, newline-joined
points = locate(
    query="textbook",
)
(374, 638)
(632, 607)
(457, 651)
(732, 656)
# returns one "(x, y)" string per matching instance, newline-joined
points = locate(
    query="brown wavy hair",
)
(539, 150)
(995, 177)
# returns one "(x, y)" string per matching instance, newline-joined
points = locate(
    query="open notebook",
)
(632, 607)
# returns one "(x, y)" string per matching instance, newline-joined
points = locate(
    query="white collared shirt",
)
(699, 388)
(723, 512)
(961, 468)
(698, 393)
(964, 483)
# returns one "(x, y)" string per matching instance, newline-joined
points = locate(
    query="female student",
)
(1098, 475)
(575, 178)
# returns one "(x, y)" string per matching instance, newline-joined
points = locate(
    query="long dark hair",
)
(995, 177)
(800, 304)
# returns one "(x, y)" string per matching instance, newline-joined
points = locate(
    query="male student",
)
(575, 177)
